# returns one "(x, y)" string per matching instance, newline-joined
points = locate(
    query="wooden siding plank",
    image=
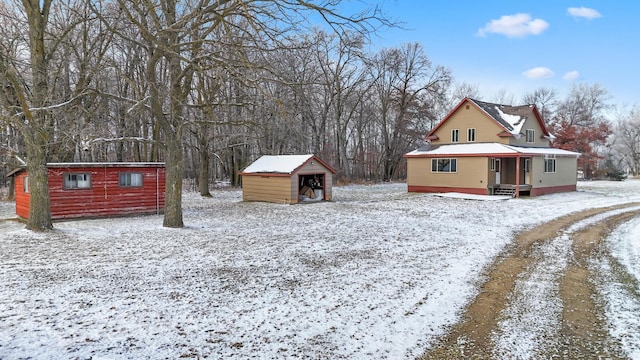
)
(105, 197)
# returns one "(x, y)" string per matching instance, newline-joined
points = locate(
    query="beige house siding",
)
(467, 117)
(472, 173)
(495, 126)
(276, 189)
(530, 124)
(475, 175)
(566, 173)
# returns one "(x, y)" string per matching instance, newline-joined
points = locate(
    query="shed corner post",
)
(157, 191)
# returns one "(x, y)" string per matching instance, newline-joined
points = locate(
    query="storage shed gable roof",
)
(281, 164)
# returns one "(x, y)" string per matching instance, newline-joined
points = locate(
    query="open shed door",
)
(312, 187)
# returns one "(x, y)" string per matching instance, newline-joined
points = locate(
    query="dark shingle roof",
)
(515, 115)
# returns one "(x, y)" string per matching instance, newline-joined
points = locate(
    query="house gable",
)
(480, 148)
(477, 121)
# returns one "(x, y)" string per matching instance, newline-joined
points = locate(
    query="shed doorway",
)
(311, 187)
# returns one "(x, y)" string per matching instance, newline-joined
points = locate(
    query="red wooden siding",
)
(105, 197)
(22, 198)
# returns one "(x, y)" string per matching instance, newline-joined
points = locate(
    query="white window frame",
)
(530, 135)
(471, 134)
(549, 164)
(438, 165)
(79, 180)
(25, 185)
(130, 179)
(455, 135)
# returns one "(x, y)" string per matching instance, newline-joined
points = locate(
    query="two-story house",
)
(484, 148)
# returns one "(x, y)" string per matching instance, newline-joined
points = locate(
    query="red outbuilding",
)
(86, 190)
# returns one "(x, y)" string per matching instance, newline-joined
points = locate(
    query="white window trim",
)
(451, 161)
(76, 185)
(456, 138)
(470, 132)
(131, 179)
(549, 159)
(533, 135)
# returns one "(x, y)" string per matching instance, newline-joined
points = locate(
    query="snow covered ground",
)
(377, 273)
(622, 291)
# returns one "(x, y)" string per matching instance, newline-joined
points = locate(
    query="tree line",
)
(207, 86)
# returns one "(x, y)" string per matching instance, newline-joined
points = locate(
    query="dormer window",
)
(530, 135)
(455, 135)
(471, 135)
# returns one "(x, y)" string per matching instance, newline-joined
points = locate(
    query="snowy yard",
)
(377, 273)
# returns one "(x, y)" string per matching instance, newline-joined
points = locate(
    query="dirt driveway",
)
(581, 329)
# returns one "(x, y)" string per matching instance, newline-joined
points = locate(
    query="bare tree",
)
(625, 142)
(33, 101)
(545, 100)
(405, 76)
(48, 67)
(584, 105)
(580, 125)
(174, 34)
(502, 96)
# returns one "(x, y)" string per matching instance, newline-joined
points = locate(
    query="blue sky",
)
(519, 46)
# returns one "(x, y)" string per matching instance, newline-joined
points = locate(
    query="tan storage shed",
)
(287, 179)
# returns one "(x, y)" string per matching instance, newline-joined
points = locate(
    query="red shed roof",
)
(92, 164)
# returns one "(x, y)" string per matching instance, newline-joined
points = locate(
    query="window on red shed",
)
(77, 181)
(130, 179)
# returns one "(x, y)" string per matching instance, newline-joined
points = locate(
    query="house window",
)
(531, 135)
(455, 135)
(444, 165)
(471, 135)
(25, 185)
(550, 163)
(130, 179)
(77, 181)
(492, 164)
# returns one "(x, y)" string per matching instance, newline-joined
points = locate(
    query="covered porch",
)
(510, 175)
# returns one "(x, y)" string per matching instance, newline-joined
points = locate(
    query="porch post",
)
(518, 176)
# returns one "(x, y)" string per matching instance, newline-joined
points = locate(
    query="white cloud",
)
(584, 12)
(539, 73)
(518, 25)
(572, 75)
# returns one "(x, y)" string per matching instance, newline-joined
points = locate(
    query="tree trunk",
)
(39, 206)
(174, 163)
(203, 166)
(37, 136)
(11, 195)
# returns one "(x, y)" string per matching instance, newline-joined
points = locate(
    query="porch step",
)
(503, 190)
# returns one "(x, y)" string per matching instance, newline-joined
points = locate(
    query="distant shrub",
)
(617, 175)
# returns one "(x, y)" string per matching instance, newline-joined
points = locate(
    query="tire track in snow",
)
(476, 334)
